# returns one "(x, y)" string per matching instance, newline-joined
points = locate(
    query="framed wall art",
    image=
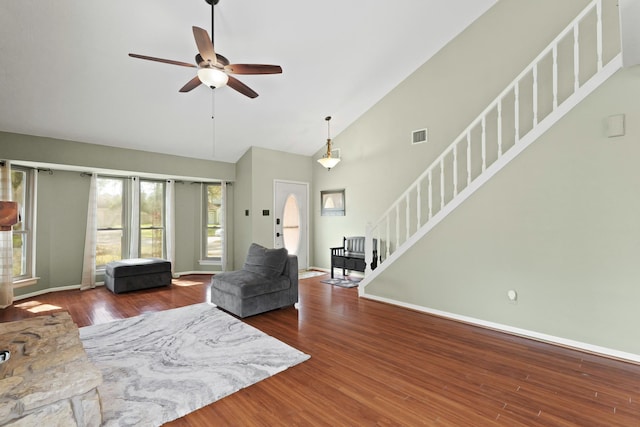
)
(332, 203)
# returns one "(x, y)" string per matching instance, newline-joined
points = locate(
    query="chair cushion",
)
(266, 262)
(137, 266)
(247, 284)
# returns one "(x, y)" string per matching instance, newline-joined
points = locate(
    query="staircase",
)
(582, 57)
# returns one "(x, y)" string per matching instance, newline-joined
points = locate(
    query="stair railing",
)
(536, 95)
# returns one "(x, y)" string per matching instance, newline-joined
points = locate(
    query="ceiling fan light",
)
(213, 77)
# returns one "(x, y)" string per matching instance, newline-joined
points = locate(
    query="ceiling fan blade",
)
(253, 69)
(205, 47)
(241, 87)
(192, 84)
(166, 61)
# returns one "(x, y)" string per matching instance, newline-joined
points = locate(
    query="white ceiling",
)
(65, 72)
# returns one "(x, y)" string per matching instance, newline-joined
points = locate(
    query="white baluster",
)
(555, 76)
(484, 143)
(468, 158)
(418, 206)
(397, 226)
(441, 183)
(500, 128)
(576, 57)
(379, 248)
(516, 114)
(455, 170)
(430, 194)
(599, 32)
(368, 248)
(388, 241)
(535, 95)
(407, 216)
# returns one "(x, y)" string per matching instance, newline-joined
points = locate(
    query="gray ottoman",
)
(138, 273)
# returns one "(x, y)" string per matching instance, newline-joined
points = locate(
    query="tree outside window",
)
(110, 220)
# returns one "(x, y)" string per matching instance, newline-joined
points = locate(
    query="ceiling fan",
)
(214, 69)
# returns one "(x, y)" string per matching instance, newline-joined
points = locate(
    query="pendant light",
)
(327, 161)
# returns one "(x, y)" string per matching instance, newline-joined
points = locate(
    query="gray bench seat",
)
(137, 273)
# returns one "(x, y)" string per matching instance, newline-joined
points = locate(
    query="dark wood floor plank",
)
(376, 364)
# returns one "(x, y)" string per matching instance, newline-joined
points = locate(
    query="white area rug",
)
(310, 273)
(160, 366)
(343, 282)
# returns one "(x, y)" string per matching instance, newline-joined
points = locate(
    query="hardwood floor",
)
(375, 364)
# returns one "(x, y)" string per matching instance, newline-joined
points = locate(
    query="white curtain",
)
(223, 224)
(89, 262)
(134, 234)
(6, 242)
(170, 222)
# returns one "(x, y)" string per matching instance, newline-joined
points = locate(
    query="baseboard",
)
(49, 290)
(550, 339)
(189, 273)
(75, 287)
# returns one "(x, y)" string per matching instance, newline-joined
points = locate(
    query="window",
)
(214, 229)
(23, 231)
(151, 219)
(110, 219)
(114, 211)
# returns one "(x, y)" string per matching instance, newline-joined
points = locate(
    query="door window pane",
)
(291, 225)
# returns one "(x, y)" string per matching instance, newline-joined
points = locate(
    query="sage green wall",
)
(61, 224)
(243, 228)
(50, 150)
(63, 196)
(444, 95)
(256, 171)
(559, 225)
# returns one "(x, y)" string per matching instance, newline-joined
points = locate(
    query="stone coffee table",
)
(48, 380)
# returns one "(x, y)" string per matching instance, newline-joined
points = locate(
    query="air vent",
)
(419, 136)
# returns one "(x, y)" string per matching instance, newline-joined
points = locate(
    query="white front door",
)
(291, 209)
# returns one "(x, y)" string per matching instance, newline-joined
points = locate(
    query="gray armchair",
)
(268, 280)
